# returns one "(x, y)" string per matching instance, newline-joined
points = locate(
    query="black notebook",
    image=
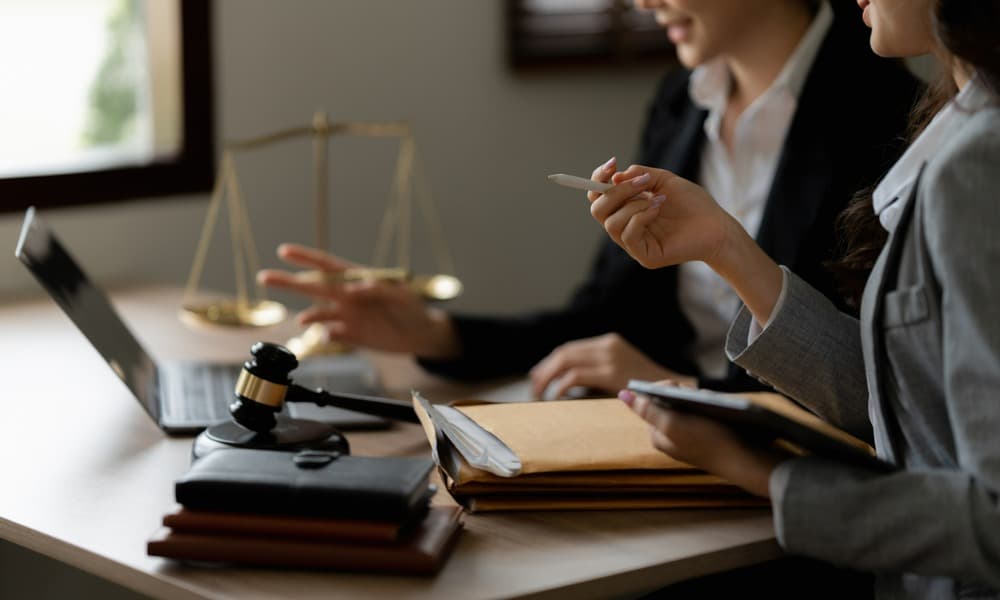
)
(308, 483)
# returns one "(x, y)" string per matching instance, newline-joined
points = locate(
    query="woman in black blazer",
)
(625, 321)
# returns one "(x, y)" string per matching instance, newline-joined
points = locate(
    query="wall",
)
(486, 137)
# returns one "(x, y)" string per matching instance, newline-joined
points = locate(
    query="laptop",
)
(182, 397)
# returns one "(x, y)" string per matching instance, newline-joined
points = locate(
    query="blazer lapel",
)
(679, 134)
(802, 181)
(684, 155)
(678, 149)
(872, 336)
(804, 178)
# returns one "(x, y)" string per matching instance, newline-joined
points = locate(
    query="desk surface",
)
(87, 477)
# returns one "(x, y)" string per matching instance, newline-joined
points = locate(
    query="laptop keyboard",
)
(200, 393)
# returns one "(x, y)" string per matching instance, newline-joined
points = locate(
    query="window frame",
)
(192, 170)
(621, 47)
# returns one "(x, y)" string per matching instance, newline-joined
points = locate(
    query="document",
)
(565, 455)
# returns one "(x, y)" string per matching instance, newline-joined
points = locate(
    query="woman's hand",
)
(382, 315)
(605, 363)
(602, 174)
(662, 219)
(707, 444)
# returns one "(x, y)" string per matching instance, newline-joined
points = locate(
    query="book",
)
(421, 551)
(185, 520)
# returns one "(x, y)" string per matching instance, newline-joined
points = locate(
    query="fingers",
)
(584, 376)
(575, 377)
(312, 258)
(340, 325)
(678, 380)
(629, 173)
(603, 174)
(569, 356)
(626, 190)
(320, 314)
(630, 221)
(352, 291)
(653, 414)
(633, 236)
(545, 372)
(387, 293)
(276, 278)
(663, 443)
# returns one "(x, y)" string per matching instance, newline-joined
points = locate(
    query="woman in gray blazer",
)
(918, 374)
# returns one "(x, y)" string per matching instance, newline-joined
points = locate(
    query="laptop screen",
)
(89, 308)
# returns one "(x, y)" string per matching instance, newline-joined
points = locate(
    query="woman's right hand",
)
(382, 315)
(662, 219)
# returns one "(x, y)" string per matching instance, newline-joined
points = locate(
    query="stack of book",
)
(565, 455)
(316, 510)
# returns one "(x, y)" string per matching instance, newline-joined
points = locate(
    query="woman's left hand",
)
(707, 444)
(605, 363)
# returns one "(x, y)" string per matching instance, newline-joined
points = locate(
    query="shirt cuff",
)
(755, 328)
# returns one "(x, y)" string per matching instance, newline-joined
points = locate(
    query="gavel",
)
(264, 385)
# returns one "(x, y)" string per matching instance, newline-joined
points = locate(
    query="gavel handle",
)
(371, 405)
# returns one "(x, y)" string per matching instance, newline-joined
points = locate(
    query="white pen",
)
(580, 183)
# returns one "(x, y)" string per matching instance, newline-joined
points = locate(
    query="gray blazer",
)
(919, 374)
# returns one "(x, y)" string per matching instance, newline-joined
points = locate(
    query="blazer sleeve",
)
(503, 346)
(495, 346)
(941, 521)
(824, 342)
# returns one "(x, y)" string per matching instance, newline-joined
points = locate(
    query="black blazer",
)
(847, 130)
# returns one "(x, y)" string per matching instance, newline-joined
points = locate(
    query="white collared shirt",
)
(739, 181)
(893, 190)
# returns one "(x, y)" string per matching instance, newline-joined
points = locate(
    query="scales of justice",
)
(251, 307)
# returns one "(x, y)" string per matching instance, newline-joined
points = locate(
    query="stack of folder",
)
(565, 455)
(309, 510)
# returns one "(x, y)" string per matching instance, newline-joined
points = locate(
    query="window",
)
(103, 100)
(566, 32)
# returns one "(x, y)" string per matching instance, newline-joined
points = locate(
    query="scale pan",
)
(233, 313)
(429, 287)
(437, 287)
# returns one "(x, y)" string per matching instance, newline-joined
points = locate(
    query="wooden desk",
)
(87, 476)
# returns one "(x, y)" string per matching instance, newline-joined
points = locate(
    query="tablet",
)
(767, 416)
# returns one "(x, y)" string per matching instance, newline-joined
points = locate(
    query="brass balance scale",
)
(251, 307)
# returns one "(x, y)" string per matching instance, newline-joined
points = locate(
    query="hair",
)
(967, 31)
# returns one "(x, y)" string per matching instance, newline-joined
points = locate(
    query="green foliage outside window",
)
(113, 96)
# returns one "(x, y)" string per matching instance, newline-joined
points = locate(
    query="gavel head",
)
(261, 387)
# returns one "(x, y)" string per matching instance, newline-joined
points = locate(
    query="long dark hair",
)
(967, 30)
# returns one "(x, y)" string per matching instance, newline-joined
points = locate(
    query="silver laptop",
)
(182, 397)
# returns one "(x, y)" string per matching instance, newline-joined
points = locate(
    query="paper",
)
(478, 447)
(573, 435)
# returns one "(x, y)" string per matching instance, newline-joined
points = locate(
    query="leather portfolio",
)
(422, 550)
(309, 483)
